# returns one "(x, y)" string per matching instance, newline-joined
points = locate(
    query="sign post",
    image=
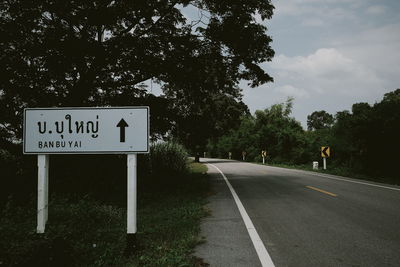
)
(132, 193)
(43, 192)
(244, 155)
(114, 130)
(325, 153)
(264, 155)
(230, 155)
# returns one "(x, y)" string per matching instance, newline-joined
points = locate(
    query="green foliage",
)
(99, 53)
(83, 231)
(79, 233)
(364, 141)
(102, 176)
(167, 158)
(319, 120)
(271, 129)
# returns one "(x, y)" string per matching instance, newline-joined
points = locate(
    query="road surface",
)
(303, 218)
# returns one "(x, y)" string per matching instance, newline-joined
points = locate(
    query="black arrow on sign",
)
(324, 151)
(122, 124)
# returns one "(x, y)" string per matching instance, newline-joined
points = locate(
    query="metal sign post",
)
(116, 130)
(132, 193)
(43, 193)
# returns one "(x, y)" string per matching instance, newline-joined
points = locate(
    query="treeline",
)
(363, 141)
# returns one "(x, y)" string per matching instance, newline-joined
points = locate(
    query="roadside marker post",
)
(84, 130)
(230, 155)
(264, 155)
(325, 153)
(244, 155)
(315, 165)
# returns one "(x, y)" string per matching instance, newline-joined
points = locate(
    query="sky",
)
(330, 54)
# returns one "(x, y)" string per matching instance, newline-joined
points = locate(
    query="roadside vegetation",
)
(87, 212)
(364, 142)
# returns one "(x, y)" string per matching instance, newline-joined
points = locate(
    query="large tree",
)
(91, 53)
(319, 120)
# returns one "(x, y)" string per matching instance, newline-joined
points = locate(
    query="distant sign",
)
(325, 151)
(86, 130)
(263, 153)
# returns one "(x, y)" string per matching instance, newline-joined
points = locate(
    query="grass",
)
(88, 232)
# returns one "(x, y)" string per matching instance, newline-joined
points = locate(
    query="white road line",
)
(262, 252)
(339, 179)
(356, 182)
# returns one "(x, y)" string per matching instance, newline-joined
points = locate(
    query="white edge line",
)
(262, 252)
(337, 178)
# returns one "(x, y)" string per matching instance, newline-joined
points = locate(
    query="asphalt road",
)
(308, 219)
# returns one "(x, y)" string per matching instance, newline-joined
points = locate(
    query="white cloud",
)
(290, 90)
(324, 9)
(330, 55)
(326, 79)
(313, 22)
(378, 48)
(325, 70)
(376, 10)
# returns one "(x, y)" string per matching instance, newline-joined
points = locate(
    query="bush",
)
(167, 159)
(79, 233)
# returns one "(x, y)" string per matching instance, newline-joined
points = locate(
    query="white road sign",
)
(86, 130)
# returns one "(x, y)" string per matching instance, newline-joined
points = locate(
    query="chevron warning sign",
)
(325, 151)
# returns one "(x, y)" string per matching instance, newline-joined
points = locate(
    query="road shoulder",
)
(227, 241)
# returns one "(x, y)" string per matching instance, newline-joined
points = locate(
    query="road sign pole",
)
(132, 193)
(43, 193)
(263, 160)
(324, 163)
(131, 204)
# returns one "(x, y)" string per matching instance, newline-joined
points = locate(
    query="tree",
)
(366, 140)
(79, 53)
(271, 129)
(319, 120)
(212, 118)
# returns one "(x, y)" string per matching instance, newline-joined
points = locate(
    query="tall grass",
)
(167, 158)
(87, 222)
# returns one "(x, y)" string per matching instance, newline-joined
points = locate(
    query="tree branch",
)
(152, 25)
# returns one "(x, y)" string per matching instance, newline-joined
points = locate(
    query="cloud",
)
(378, 48)
(330, 55)
(289, 90)
(313, 22)
(324, 9)
(325, 70)
(376, 10)
(326, 79)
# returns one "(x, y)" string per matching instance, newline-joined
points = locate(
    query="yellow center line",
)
(322, 191)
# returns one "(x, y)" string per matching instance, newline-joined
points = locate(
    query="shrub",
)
(167, 158)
